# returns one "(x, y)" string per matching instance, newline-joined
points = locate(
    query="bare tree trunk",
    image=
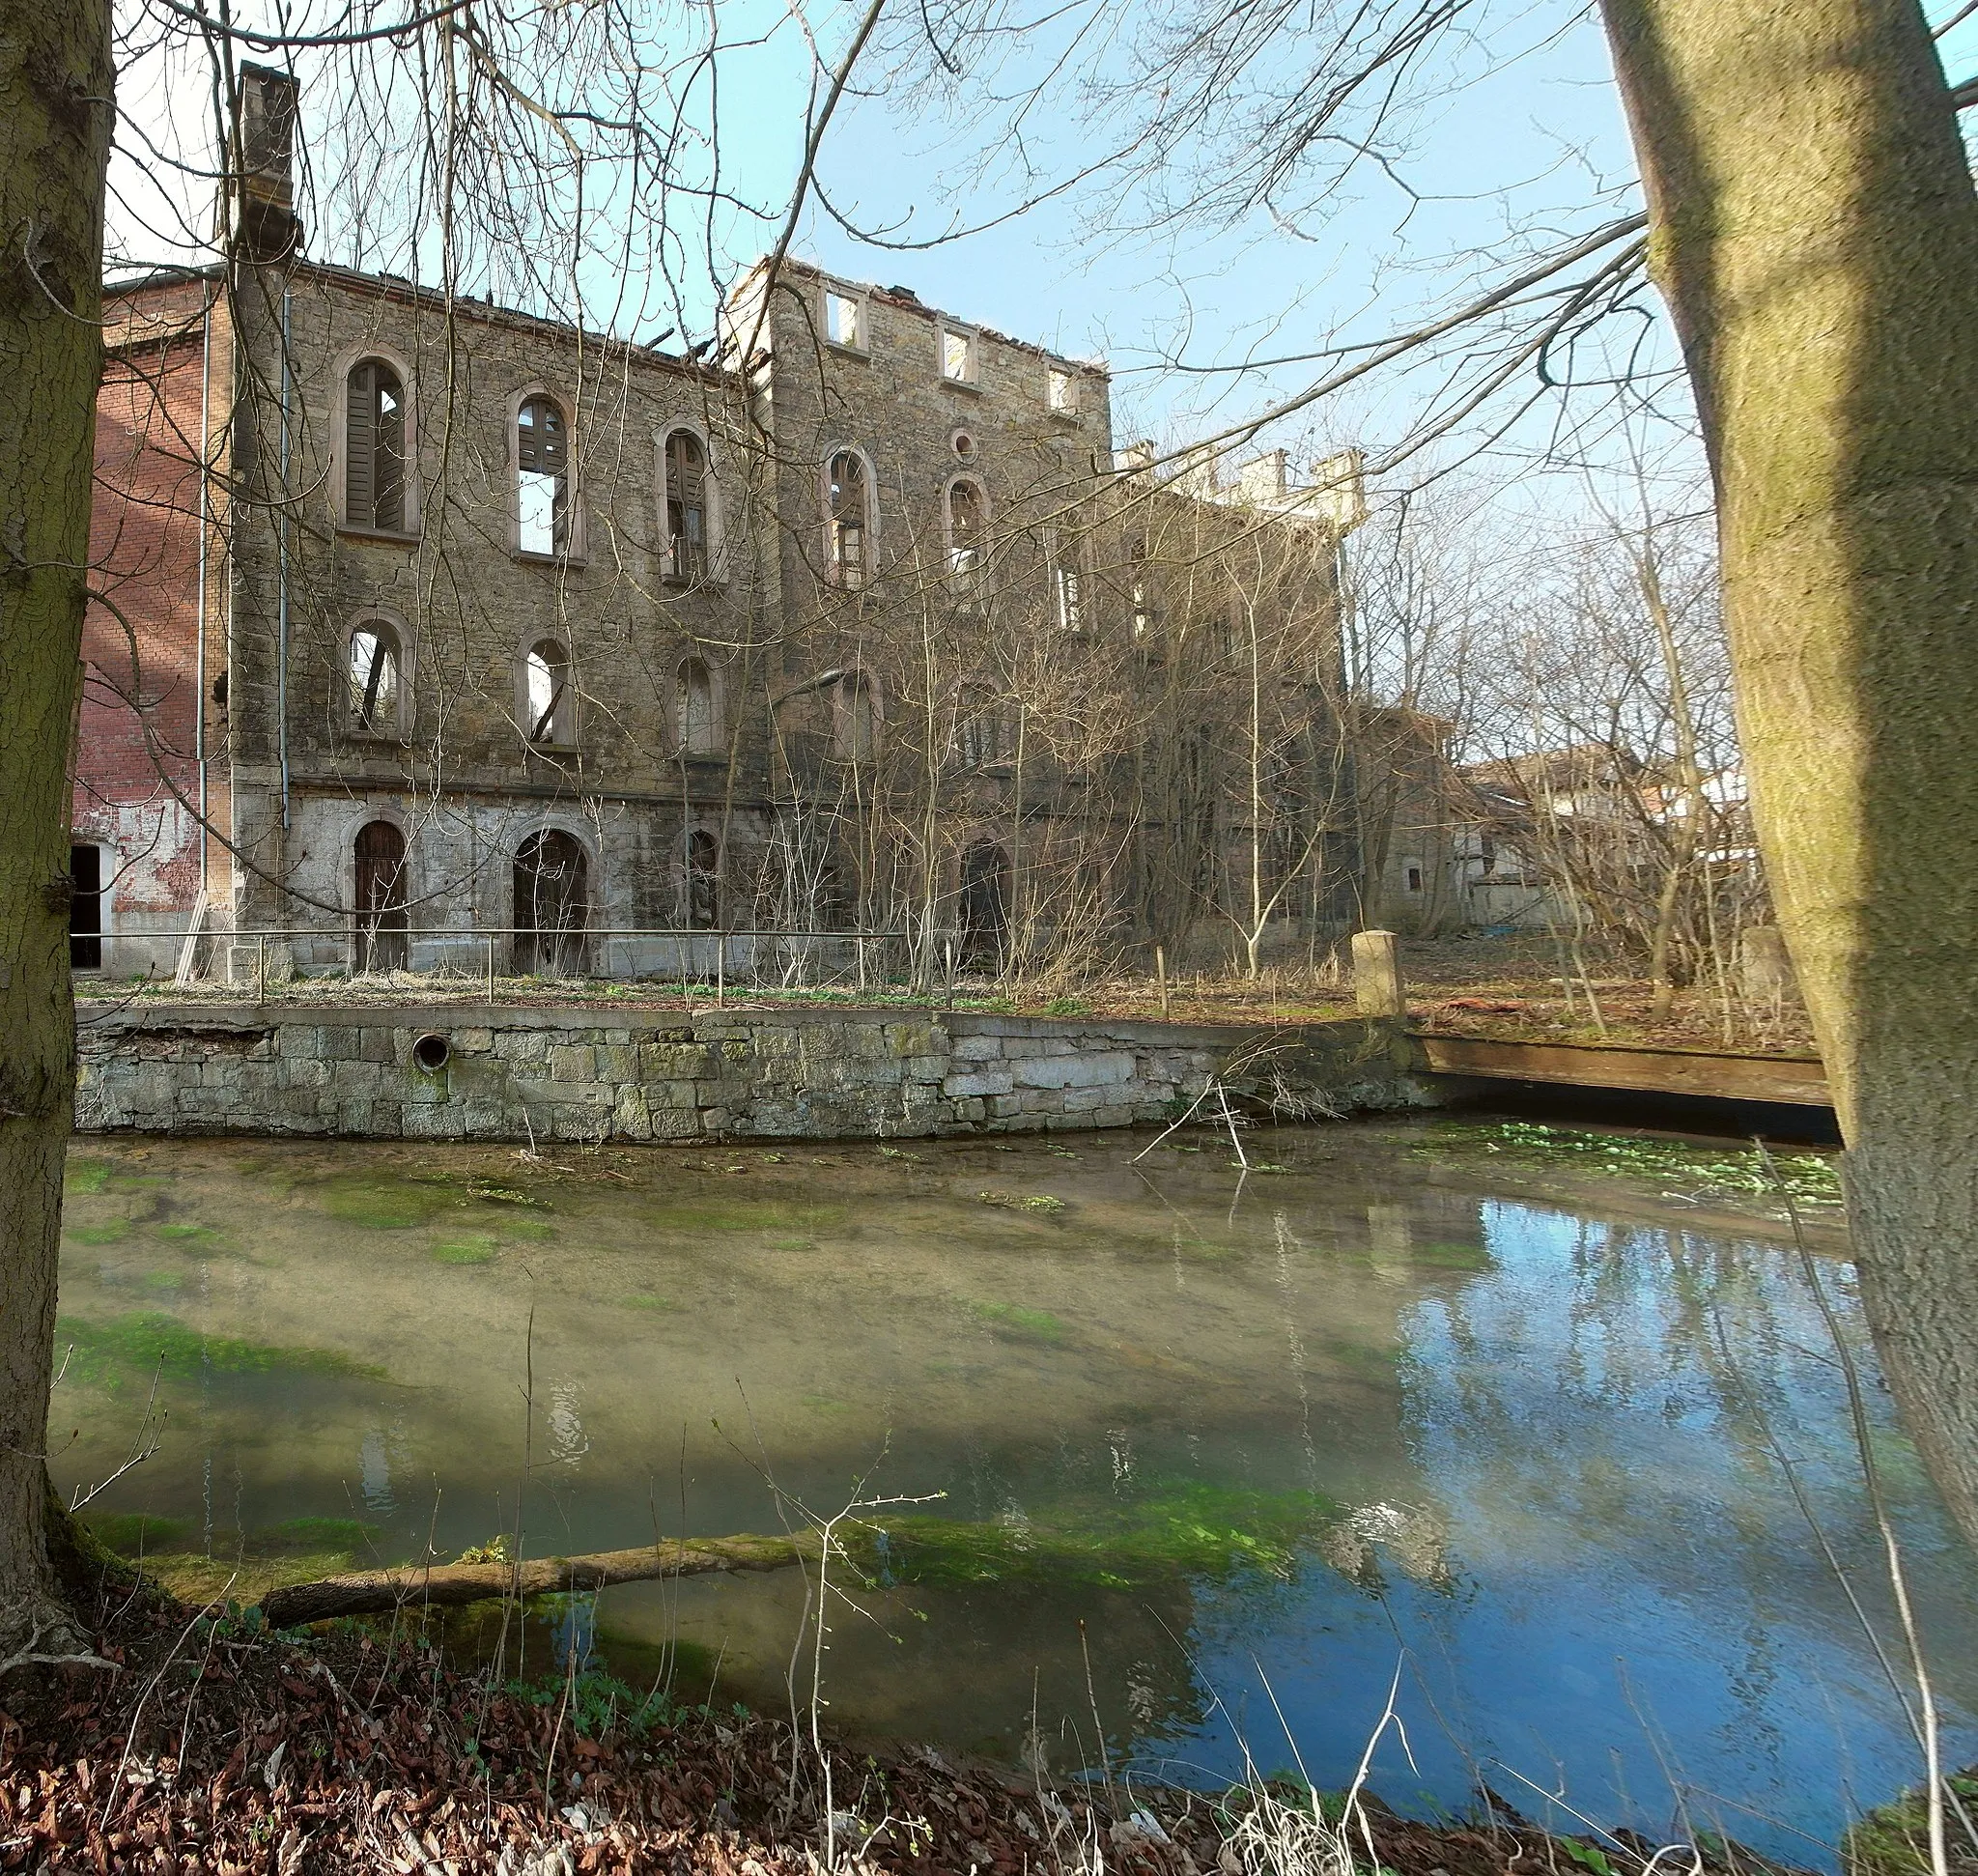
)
(55, 82)
(1816, 233)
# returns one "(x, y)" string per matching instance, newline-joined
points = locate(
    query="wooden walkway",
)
(1796, 1081)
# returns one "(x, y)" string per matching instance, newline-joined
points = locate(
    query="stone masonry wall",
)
(595, 1074)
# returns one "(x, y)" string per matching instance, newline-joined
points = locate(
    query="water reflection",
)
(1195, 1453)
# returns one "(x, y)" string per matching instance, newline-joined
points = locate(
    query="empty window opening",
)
(982, 909)
(844, 320)
(855, 729)
(375, 448)
(980, 737)
(1063, 392)
(957, 356)
(1071, 603)
(375, 677)
(1143, 589)
(966, 531)
(703, 880)
(86, 909)
(850, 500)
(380, 898)
(552, 904)
(1413, 873)
(700, 731)
(549, 714)
(686, 528)
(963, 444)
(542, 455)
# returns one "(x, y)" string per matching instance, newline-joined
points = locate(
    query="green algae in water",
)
(466, 1250)
(164, 1280)
(87, 1175)
(692, 1216)
(1021, 1325)
(105, 1352)
(1183, 1529)
(183, 1234)
(111, 1232)
(645, 1299)
(136, 1533)
(386, 1203)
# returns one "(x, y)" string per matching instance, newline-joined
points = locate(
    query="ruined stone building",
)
(437, 634)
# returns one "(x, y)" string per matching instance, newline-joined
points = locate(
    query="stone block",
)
(375, 1044)
(473, 1042)
(1003, 1106)
(617, 1061)
(617, 1038)
(1084, 1100)
(671, 1061)
(632, 1117)
(926, 1067)
(439, 1121)
(307, 1074)
(978, 1048)
(1042, 1100)
(971, 1109)
(1104, 1070)
(334, 1042)
(973, 1087)
(912, 1039)
(572, 1061)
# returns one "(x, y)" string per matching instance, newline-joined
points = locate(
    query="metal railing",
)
(440, 958)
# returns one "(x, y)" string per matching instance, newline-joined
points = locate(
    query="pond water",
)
(1185, 1464)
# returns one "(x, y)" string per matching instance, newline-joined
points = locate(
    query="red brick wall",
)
(135, 771)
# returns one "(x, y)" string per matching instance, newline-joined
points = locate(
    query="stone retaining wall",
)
(587, 1074)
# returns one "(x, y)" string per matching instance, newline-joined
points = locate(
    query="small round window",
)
(963, 444)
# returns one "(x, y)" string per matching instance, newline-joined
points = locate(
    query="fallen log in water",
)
(374, 1592)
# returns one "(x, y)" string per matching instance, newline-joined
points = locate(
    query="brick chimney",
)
(258, 200)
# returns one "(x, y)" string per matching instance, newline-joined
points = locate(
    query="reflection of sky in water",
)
(1640, 1625)
(1550, 1434)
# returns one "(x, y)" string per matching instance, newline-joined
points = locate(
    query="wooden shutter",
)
(360, 450)
(388, 447)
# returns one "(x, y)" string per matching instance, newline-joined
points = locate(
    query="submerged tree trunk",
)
(1816, 233)
(55, 112)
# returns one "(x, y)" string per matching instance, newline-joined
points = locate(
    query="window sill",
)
(529, 557)
(376, 738)
(972, 386)
(863, 352)
(554, 751)
(1072, 419)
(685, 583)
(376, 536)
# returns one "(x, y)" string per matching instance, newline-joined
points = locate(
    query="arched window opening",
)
(552, 904)
(698, 726)
(375, 448)
(703, 880)
(380, 898)
(966, 531)
(551, 721)
(982, 911)
(850, 500)
(542, 456)
(686, 507)
(374, 676)
(855, 725)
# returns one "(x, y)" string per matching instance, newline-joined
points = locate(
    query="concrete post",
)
(1377, 988)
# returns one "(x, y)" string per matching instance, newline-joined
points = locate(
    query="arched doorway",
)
(982, 914)
(380, 899)
(553, 907)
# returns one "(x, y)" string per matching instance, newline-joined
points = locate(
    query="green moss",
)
(112, 1231)
(106, 1352)
(182, 1234)
(533, 1229)
(1181, 1529)
(694, 1217)
(466, 1250)
(348, 1535)
(87, 1175)
(1021, 1325)
(645, 1299)
(1453, 1257)
(166, 1280)
(1894, 1838)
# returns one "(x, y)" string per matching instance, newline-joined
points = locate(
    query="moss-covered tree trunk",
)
(1816, 233)
(56, 113)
